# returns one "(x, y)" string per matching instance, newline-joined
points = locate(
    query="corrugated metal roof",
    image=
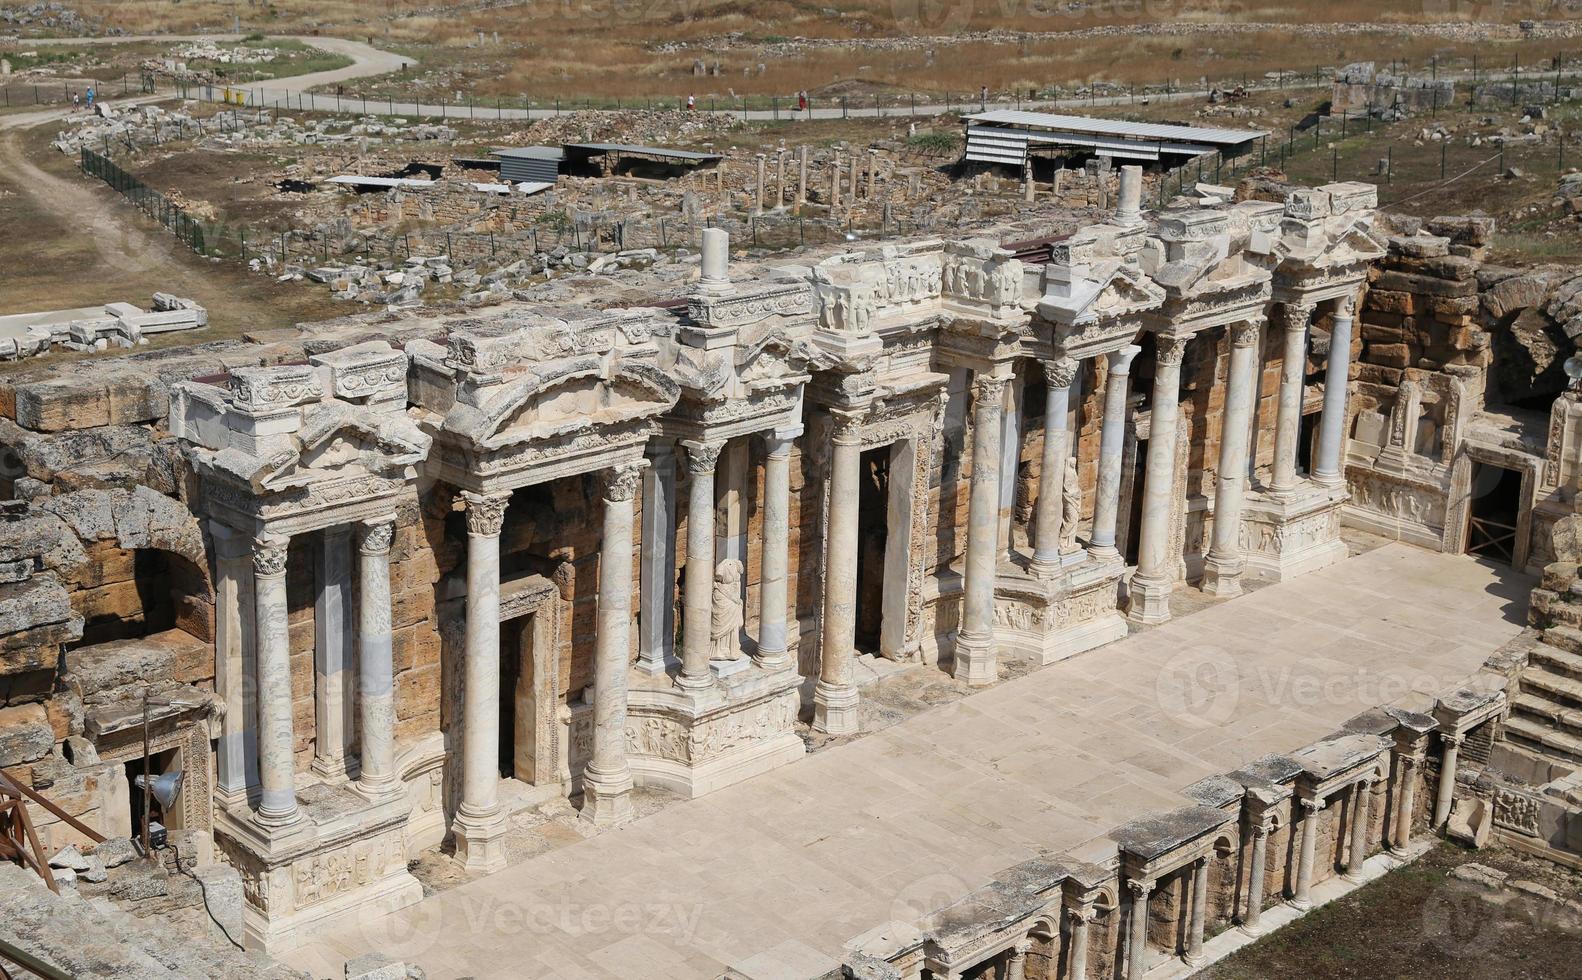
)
(1116, 127)
(531, 152)
(657, 151)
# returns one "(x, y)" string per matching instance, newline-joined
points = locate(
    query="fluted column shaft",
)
(1112, 444)
(1328, 466)
(1410, 765)
(975, 660)
(276, 737)
(835, 696)
(1358, 852)
(375, 694)
(607, 781)
(1058, 376)
(1016, 962)
(698, 592)
(1149, 601)
(1223, 566)
(1304, 867)
(775, 559)
(1255, 879)
(1288, 418)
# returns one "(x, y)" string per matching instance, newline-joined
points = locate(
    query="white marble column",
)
(975, 660)
(698, 585)
(1149, 598)
(775, 557)
(1303, 900)
(1137, 929)
(1255, 878)
(276, 736)
(1016, 961)
(1288, 419)
(656, 613)
(1447, 778)
(1077, 963)
(801, 174)
(1411, 765)
(1358, 851)
(1223, 567)
(1112, 444)
(333, 705)
(480, 820)
(1058, 375)
(1329, 464)
(236, 753)
(376, 675)
(607, 781)
(835, 695)
(1194, 944)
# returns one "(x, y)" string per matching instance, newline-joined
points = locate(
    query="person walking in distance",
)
(692, 103)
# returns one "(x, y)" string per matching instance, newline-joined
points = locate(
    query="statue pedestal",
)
(1284, 535)
(1070, 611)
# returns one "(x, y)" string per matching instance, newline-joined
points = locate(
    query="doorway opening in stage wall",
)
(1496, 504)
(1134, 508)
(1306, 438)
(873, 531)
(518, 714)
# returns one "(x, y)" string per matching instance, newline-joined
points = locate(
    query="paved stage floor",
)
(774, 875)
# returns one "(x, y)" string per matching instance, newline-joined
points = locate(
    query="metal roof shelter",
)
(610, 158)
(1007, 136)
(540, 164)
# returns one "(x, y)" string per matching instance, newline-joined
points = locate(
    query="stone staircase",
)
(94, 938)
(1546, 714)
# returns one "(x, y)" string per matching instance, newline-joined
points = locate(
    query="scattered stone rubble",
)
(119, 325)
(149, 125)
(239, 54)
(1361, 87)
(48, 15)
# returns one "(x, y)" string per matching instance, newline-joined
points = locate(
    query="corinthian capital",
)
(988, 386)
(269, 555)
(1060, 372)
(1297, 317)
(374, 537)
(621, 482)
(1169, 350)
(702, 457)
(485, 512)
(1245, 333)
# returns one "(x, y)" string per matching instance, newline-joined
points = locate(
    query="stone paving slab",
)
(774, 875)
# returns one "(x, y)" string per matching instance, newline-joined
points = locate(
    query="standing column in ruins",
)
(1027, 180)
(775, 558)
(801, 174)
(1129, 202)
(276, 738)
(1450, 751)
(1078, 918)
(480, 821)
(1411, 764)
(975, 660)
(375, 695)
(698, 587)
(834, 180)
(1288, 420)
(835, 696)
(856, 173)
(1016, 961)
(1358, 852)
(758, 188)
(1194, 944)
(1150, 589)
(780, 179)
(1222, 569)
(1137, 929)
(873, 174)
(607, 781)
(1303, 899)
(1328, 467)
(656, 614)
(1255, 877)
(333, 706)
(1112, 440)
(1058, 375)
(235, 757)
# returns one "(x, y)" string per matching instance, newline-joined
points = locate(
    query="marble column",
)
(276, 737)
(607, 781)
(480, 821)
(1223, 567)
(1303, 899)
(1137, 929)
(1077, 964)
(1255, 879)
(698, 585)
(1288, 418)
(1447, 778)
(834, 180)
(1149, 599)
(1112, 444)
(656, 612)
(801, 174)
(856, 174)
(759, 188)
(1329, 464)
(775, 557)
(1016, 961)
(835, 695)
(974, 653)
(236, 753)
(1194, 944)
(1358, 851)
(1411, 765)
(1058, 375)
(376, 674)
(780, 179)
(333, 703)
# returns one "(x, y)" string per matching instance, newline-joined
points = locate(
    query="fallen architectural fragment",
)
(96, 327)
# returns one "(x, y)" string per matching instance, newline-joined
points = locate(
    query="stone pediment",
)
(337, 440)
(1107, 291)
(566, 396)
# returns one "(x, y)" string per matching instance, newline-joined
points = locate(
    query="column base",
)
(380, 789)
(975, 660)
(1222, 576)
(1301, 904)
(1148, 601)
(480, 839)
(835, 709)
(655, 668)
(607, 798)
(690, 683)
(332, 770)
(1250, 929)
(1195, 962)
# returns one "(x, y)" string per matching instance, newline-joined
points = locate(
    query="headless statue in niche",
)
(1070, 507)
(727, 622)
